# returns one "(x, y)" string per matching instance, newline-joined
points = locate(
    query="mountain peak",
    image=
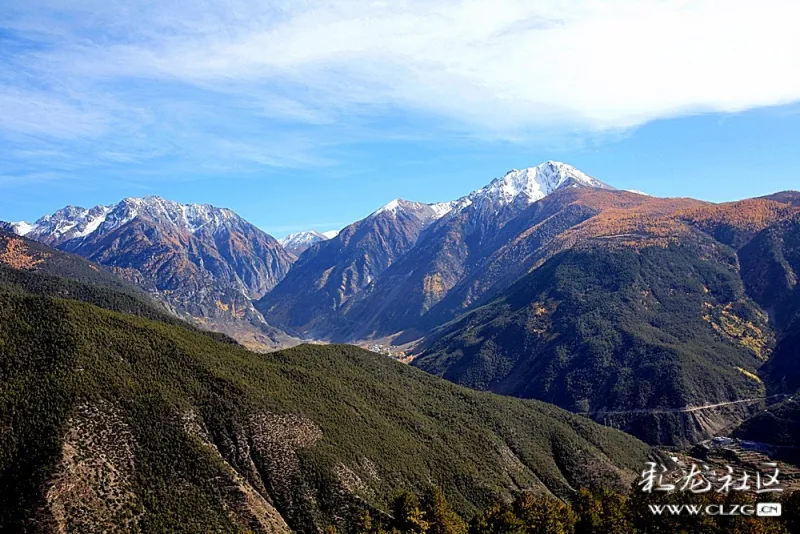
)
(431, 212)
(536, 182)
(73, 222)
(299, 242)
(392, 206)
(530, 184)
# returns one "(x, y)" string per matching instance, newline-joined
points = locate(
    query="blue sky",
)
(311, 114)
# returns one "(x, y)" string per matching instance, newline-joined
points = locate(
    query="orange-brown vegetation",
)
(650, 221)
(642, 221)
(753, 214)
(15, 253)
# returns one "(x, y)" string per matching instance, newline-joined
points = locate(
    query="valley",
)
(546, 284)
(546, 333)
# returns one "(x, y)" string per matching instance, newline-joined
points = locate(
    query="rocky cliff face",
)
(321, 283)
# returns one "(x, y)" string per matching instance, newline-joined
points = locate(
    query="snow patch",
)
(22, 228)
(94, 223)
(636, 191)
(391, 207)
(442, 208)
(302, 239)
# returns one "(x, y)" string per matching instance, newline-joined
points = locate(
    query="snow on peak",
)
(533, 183)
(22, 228)
(391, 207)
(75, 222)
(299, 242)
(440, 209)
(517, 185)
(636, 191)
(68, 222)
(94, 218)
(330, 234)
(431, 212)
(302, 239)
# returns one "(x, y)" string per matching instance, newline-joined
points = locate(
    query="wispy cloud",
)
(252, 83)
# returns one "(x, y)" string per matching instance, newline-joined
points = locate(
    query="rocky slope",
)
(310, 298)
(381, 286)
(206, 263)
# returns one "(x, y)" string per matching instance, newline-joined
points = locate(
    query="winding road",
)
(686, 409)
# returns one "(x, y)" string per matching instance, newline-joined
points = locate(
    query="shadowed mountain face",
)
(771, 269)
(605, 332)
(646, 314)
(380, 275)
(206, 263)
(116, 422)
(23, 254)
(310, 299)
(30, 267)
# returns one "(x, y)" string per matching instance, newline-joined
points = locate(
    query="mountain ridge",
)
(299, 242)
(206, 263)
(336, 281)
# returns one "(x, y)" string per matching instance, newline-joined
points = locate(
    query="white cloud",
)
(489, 67)
(36, 112)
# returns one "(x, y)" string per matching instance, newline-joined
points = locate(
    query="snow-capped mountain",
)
(529, 185)
(206, 263)
(73, 222)
(427, 212)
(406, 256)
(517, 186)
(299, 242)
(210, 263)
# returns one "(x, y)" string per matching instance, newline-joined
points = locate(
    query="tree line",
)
(590, 512)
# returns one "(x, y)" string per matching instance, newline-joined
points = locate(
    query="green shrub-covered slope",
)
(604, 330)
(110, 421)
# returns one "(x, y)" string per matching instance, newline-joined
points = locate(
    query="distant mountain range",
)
(299, 242)
(208, 264)
(546, 283)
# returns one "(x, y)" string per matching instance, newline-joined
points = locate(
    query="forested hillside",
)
(112, 421)
(626, 335)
